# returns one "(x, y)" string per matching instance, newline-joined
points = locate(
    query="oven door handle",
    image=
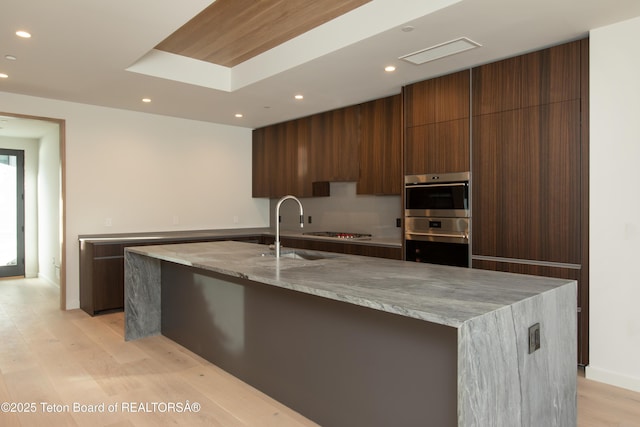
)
(457, 236)
(443, 184)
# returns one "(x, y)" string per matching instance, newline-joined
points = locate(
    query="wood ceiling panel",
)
(229, 32)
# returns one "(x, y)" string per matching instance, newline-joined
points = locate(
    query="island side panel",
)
(142, 295)
(336, 363)
(501, 383)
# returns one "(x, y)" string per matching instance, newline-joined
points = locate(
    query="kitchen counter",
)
(102, 255)
(173, 235)
(159, 236)
(483, 317)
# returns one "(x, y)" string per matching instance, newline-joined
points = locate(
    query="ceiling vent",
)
(440, 51)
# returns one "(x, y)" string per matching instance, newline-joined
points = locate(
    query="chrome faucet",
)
(277, 242)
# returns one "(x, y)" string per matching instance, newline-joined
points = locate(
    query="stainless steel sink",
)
(301, 254)
(339, 235)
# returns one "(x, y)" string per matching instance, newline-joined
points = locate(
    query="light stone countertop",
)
(440, 294)
(228, 233)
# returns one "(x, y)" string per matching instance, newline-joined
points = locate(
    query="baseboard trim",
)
(48, 280)
(612, 378)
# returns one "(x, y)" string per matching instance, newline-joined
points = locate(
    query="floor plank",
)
(66, 357)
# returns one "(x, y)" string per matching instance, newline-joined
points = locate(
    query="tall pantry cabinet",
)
(530, 168)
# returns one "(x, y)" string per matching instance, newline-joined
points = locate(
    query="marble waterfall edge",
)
(142, 295)
(501, 384)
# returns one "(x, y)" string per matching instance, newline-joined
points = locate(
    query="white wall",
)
(30, 147)
(615, 205)
(49, 205)
(145, 173)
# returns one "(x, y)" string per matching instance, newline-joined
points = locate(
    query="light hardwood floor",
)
(68, 357)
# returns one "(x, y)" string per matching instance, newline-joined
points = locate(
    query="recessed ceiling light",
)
(4, 76)
(147, 100)
(299, 97)
(10, 57)
(239, 115)
(408, 28)
(389, 68)
(23, 34)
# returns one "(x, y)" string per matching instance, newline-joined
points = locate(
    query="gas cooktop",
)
(339, 235)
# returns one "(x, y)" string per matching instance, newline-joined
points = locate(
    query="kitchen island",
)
(349, 340)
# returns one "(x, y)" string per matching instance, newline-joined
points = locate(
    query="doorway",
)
(11, 213)
(42, 139)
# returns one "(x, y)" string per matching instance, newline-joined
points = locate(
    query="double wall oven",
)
(437, 218)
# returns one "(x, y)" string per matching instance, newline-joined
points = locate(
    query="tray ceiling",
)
(229, 32)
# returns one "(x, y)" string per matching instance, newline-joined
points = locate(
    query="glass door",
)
(11, 213)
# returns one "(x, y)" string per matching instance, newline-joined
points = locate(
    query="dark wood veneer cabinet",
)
(102, 263)
(101, 277)
(360, 143)
(437, 100)
(437, 125)
(530, 168)
(381, 147)
(343, 248)
(335, 138)
(538, 78)
(102, 269)
(526, 183)
(280, 163)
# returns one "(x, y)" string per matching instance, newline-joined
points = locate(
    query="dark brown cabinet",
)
(102, 269)
(437, 100)
(437, 125)
(530, 168)
(381, 147)
(280, 160)
(538, 78)
(335, 138)
(343, 248)
(358, 143)
(102, 262)
(437, 148)
(526, 182)
(101, 277)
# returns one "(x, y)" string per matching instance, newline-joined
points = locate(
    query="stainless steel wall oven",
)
(437, 218)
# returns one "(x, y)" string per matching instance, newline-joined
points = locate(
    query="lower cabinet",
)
(101, 277)
(102, 264)
(343, 248)
(102, 270)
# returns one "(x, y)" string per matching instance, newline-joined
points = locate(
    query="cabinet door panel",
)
(108, 291)
(335, 144)
(380, 147)
(438, 148)
(280, 160)
(543, 77)
(526, 183)
(260, 165)
(437, 100)
(551, 75)
(497, 86)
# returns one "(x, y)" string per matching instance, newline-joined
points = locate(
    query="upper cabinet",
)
(358, 143)
(437, 125)
(279, 159)
(381, 146)
(437, 100)
(335, 137)
(538, 78)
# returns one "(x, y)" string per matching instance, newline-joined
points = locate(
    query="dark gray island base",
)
(353, 341)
